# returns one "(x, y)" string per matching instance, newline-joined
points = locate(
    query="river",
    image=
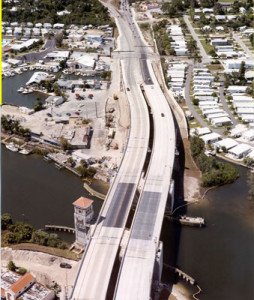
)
(11, 96)
(12, 84)
(219, 256)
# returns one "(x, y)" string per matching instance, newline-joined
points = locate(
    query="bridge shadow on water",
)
(171, 231)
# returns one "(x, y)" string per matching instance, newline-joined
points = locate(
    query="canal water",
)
(11, 96)
(12, 84)
(219, 256)
(35, 192)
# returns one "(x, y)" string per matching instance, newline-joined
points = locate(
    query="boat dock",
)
(60, 228)
(182, 274)
(60, 163)
(93, 192)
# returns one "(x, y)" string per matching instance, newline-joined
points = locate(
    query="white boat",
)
(27, 91)
(24, 151)
(21, 89)
(12, 147)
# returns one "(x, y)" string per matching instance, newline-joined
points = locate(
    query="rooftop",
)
(83, 202)
(22, 283)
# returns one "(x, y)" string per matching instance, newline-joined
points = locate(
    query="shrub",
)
(21, 271)
(6, 221)
(11, 266)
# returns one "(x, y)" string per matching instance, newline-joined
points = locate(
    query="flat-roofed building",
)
(228, 143)
(240, 151)
(221, 121)
(202, 130)
(210, 138)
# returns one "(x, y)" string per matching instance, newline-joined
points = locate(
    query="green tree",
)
(23, 231)
(59, 39)
(196, 145)
(40, 237)
(65, 145)
(21, 271)
(242, 71)
(11, 266)
(6, 221)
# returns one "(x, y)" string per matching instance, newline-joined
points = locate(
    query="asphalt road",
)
(224, 103)
(241, 43)
(205, 57)
(36, 56)
(191, 106)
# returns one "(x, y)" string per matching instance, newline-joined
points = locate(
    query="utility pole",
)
(96, 109)
(66, 285)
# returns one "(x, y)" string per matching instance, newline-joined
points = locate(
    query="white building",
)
(58, 55)
(240, 151)
(83, 215)
(228, 143)
(210, 138)
(37, 77)
(248, 135)
(248, 118)
(221, 121)
(237, 89)
(202, 130)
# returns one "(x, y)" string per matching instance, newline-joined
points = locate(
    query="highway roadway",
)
(136, 272)
(95, 271)
(97, 263)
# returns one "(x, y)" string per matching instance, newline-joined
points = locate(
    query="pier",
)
(93, 192)
(182, 274)
(60, 228)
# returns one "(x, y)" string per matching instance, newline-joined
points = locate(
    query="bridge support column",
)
(171, 196)
(158, 265)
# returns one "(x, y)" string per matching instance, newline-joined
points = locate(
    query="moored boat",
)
(12, 147)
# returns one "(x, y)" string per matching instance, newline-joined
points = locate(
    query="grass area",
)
(206, 46)
(49, 250)
(116, 33)
(215, 67)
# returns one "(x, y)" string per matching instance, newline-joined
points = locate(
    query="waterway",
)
(219, 257)
(35, 192)
(11, 96)
(12, 84)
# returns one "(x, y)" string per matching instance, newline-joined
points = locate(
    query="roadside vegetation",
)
(214, 173)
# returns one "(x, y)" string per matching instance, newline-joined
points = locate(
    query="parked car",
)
(65, 265)
(77, 113)
(68, 114)
(49, 115)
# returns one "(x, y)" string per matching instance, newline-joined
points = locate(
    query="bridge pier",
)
(158, 266)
